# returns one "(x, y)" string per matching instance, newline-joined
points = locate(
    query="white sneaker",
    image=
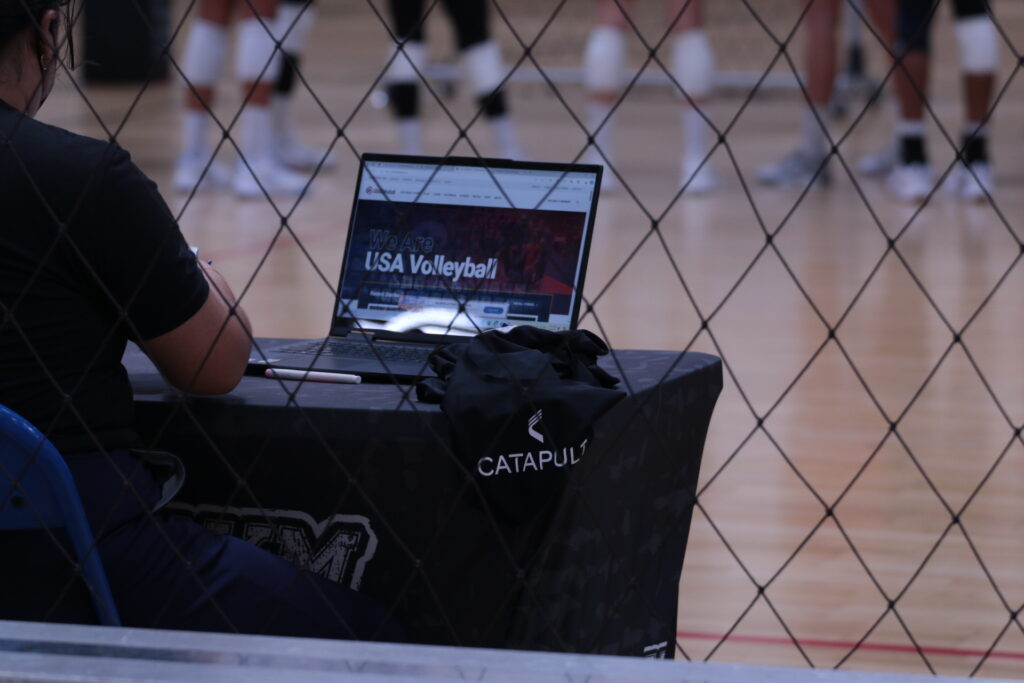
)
(296, 154)
(974, 184)
(274, 178)
(191, 173)
(911, 182)
(879, 164)
(796, 170)
(702, 181)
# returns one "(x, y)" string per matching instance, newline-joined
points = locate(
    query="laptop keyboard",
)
(360, 349)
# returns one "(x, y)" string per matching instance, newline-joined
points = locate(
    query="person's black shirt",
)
(90, 256)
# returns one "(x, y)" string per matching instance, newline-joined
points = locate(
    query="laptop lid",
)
(506, 242)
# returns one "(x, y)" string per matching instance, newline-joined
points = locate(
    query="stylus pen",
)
(312, 376)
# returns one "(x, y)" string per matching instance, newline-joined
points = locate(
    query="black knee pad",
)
(289, 68)
(470, 20)
(494, 104)
(914, 25)
(404, 99)
(969, 8)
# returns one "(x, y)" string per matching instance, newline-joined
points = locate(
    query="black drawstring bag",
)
(521, 405)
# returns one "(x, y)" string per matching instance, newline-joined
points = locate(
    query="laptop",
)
(454, 246)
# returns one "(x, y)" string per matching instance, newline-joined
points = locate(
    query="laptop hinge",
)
(419, 337)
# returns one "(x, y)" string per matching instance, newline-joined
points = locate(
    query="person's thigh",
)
(613, 12)
(684, 15)
(168, 572)
(407, 19)
(914, 23)
(470, 20)
(969, 8)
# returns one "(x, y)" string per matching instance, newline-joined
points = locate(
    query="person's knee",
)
(470, 20)
(604, 60)
(978, 44)
(693, 63)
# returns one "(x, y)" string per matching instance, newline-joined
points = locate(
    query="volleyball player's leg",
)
(402, 78)
(257, 65)
(978, 45)
(808, 162)
(485, 71)
(201, 65)
(693, 66)
(883, 16)
(911, 179)
(604, 61)
(292, 27)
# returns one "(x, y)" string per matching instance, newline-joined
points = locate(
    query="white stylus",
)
(313, 376)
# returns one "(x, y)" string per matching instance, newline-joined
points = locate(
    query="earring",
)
(43, 64)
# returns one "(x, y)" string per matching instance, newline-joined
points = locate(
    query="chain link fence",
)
(858, 502)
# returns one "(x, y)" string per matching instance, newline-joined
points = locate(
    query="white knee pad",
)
(484, 67)
(693, 63)
(205, 51)
(604, 60)
(979, 45)
(407, 66)
(292, 25)
(256, 55)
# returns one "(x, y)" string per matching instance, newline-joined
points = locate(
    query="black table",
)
(358, 483)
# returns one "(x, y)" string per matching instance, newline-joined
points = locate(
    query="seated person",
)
(90, 257)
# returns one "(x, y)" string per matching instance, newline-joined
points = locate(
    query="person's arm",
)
(182, 314)
(206, 354)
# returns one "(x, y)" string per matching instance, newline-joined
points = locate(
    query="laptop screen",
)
(506, 240)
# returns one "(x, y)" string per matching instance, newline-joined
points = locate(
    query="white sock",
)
(194, 125)
(597, 112)
(975, 129)
(296, 21)
(505, 137)
(696, 135)
(256, 128)
(281, 118)
(409, 138)
(815, 140)
(910, 128)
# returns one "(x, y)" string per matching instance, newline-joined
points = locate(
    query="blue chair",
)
(37, 492)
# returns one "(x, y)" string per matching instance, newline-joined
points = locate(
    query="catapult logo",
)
(532, 424)
(531, 461)
(337, 548)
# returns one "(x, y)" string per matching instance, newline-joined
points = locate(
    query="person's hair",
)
(17, 15)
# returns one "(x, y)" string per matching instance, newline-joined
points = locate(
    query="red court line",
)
(849, 645)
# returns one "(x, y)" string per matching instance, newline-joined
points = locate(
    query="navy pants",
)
(168, 572)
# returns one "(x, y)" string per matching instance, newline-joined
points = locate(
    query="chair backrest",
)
(38, 492)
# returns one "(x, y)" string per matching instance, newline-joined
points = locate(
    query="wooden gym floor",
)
(826, 404)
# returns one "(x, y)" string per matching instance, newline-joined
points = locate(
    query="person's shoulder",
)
(54, 153)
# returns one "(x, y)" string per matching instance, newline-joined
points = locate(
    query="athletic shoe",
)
(796, 170)
(191, 173)
(911, 182)
(274, 178)
(971, 187)
(879, 164)
(701, 181)
(296, 154)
